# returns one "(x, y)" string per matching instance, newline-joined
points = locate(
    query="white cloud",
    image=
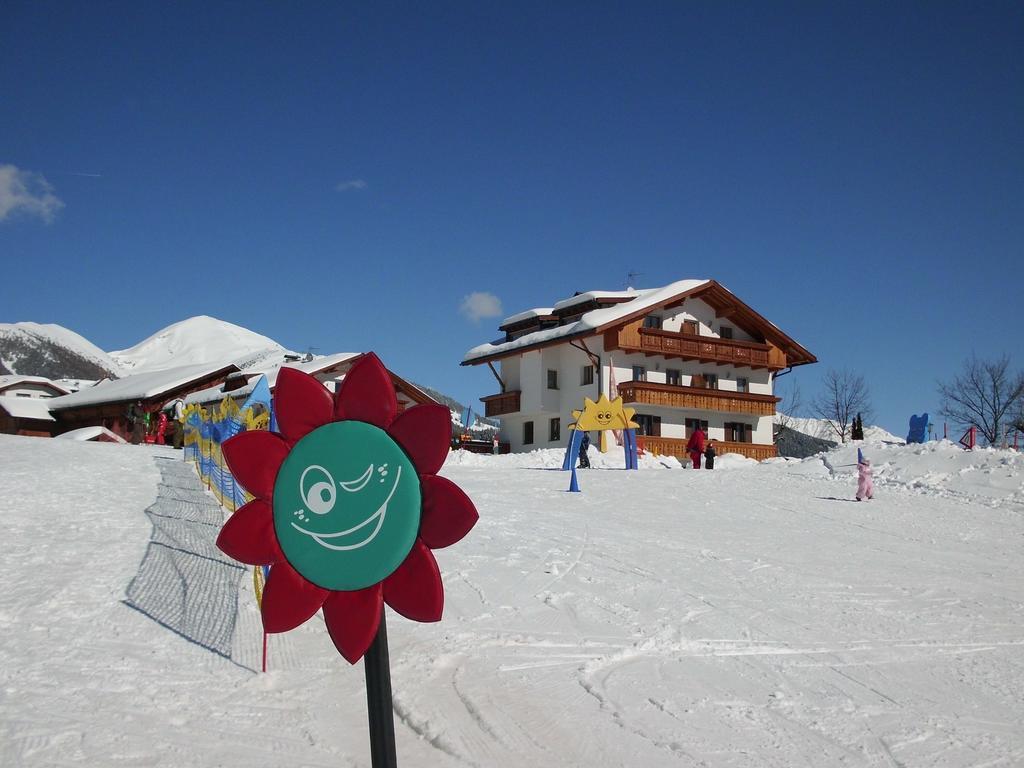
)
(24, 192)
(480, 304)
(348, 186)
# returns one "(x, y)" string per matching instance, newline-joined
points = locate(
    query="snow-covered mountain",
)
(46, 349)
(200, 339)
(820, 428)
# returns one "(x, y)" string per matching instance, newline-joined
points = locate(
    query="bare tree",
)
(986, 395)
(843, 395)
(790, 405)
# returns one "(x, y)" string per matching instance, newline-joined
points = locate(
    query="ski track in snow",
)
(660, 618)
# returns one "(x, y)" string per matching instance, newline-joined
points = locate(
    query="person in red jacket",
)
(695, 447)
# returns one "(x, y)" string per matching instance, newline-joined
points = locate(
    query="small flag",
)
(860, 457)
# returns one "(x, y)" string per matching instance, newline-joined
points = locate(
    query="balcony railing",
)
(704, 348)
(502, 403)
(654, 341)
(675, 446)
(672, 396)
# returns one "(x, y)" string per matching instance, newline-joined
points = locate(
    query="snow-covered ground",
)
(749, 616)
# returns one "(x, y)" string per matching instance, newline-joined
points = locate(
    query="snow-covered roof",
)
(141, 386)
(11, 381)
(27, 407)
(527, 315)
(590, 321)
(313, 366)
(92, 433)
(581, 298)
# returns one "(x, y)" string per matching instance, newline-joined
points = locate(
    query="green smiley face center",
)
(346, 506)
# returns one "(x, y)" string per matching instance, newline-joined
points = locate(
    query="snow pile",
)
(755, 618)
(200, 339)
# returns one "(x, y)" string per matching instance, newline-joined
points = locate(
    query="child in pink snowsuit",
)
(865, 486)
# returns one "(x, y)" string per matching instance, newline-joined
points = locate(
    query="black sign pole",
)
(378, 700)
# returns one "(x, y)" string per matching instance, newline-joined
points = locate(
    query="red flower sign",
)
(348, 505)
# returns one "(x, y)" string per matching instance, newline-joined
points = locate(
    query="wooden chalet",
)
(107, 403)
(686, 355)
(28, 416)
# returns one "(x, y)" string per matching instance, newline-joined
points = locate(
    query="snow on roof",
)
(591, 320)
(92, 433)
(27, 407)
(141, 386)
(580, 298)
(313, 366)
(527, 315)
(10, 381)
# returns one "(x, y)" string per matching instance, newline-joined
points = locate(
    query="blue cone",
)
(574, 486)
(860, 457)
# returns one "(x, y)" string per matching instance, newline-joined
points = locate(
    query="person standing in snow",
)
(136, 421)
(709, 456)
(584, 445)
(179, 423)
(865, 485)
(695, 447)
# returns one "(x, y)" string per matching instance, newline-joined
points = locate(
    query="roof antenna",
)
(630, 278)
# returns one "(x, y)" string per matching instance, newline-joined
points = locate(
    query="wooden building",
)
(107, 403)
(685, 355)
(29, 416)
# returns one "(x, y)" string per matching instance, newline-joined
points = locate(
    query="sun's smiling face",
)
(346, 506)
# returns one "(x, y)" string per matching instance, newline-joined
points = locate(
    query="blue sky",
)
(341, 175)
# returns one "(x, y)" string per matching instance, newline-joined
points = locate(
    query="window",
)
(691, 327)
(711, 380)
(528, 433)
(692, 424)
(22, 394)
(649, 425)
(673, 376)
(742, 385)
(586, 375)
(639, 373)
(554, 431)
(725, 332)
(652, 321)
(552, 379)
(738, 433)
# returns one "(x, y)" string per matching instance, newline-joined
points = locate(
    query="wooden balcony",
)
(708, 349)
(675, 446)
(502, 403)
(672, 396)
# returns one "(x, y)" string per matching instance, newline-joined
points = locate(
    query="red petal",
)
(248, 535)
(367, 393)
(254, 459)
(352, 619)
(424, 432)
(415, 589)
(301, 403)
(448, 514)
(289, 600)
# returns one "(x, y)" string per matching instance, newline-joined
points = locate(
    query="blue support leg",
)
(629, 444)
(572, 450)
